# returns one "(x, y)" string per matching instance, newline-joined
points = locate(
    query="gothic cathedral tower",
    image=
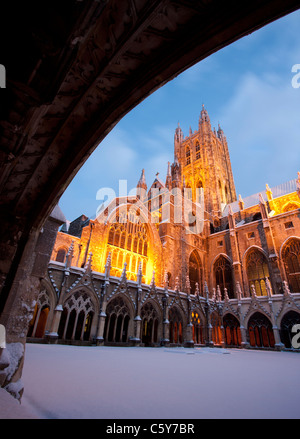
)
(202, 160)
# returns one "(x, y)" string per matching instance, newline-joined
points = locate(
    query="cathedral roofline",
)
(253, 200)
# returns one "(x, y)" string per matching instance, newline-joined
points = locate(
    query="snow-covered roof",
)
(253, 200)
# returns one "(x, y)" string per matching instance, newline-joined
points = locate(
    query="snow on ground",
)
(160, 383)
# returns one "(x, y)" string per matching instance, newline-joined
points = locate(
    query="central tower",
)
(202, 160)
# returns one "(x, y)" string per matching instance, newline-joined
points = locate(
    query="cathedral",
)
(183, 262)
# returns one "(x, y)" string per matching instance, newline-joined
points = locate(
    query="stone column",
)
(278, 344)
(189, 342)
(244, 342)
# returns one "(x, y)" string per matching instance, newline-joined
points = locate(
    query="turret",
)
(204, 121)
(169, 178)
(141, 188)
(176, 174)
(178, 139)
(220, 133)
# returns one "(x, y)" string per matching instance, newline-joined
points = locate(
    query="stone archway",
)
(151, 321)
(118, 319)
(260, 331)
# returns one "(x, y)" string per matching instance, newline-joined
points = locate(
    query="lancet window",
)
(257, 272)
(223, 276)
(291, 259)
(128, 242)
(188, 156)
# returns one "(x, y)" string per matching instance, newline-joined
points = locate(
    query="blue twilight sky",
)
(246, 87)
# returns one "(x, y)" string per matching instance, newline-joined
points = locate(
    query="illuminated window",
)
(131, 237)
(111, 235)
(123, 238)
(257, 272)
(129, 240)
(188, 156)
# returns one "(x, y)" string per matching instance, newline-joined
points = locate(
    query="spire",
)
(108, 266)
(139, 274)
(263, 208)
(269, 192)
(231, 220)
(204, 115)
(142, 180)
(221, 134)
(141, 188)
(166, 280)
(178, 134)
(176, 174)
(241, 203)
(123, 277)
(152, 283)
(70, 255)
(187, 285)
(169, 178)
(178, 139)
(88, 265)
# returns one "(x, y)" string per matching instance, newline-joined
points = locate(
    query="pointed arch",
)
(257, 270)
(176, 325)
(223, 277)
(290, 255)
(260, 331)
(119, 315)
(195, 271)
(198, 322)
(134, 237)
(232, 331)
(43, 311)
(79, 310)
(216, 325)
(151, 323)
(288, 320)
